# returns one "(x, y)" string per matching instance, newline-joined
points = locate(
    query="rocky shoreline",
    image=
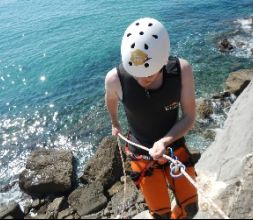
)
(53, 190)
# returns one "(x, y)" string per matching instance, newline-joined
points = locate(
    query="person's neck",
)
(157, 83)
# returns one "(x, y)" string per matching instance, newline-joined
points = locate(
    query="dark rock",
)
(204, 108)
(238, 81)
(195, 154)
(251, 51)
(108, 170)
(11, 210)
(47, 172)
(88, 199)
(240, 44)
(225, 45)
(209, 134)
(7, 187)
(222, 95)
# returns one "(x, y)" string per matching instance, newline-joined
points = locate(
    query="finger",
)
(151, 152)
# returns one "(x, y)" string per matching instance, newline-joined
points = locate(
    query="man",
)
(153, 87)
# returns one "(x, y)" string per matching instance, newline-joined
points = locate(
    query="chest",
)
(141, 100)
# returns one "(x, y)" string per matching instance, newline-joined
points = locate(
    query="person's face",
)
(147, 81)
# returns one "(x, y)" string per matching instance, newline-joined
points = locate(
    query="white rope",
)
(176, 162)
(124, 172)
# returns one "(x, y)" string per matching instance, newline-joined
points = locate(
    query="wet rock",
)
(204, 108)
(11, 211)
(47, 172)
(107, 170)
(209, 134)
(88, 199)
(225, 45)
(7, 187)
(251, 51)
(240, 44)
(222, 95)
(238, 81)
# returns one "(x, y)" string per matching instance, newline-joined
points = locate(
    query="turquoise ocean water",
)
(54, 56)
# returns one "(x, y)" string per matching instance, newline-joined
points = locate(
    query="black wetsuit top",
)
(152, 113)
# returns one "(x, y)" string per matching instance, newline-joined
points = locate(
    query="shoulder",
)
(112, 79)
(111, 76)
(112, 82)
(186, 68)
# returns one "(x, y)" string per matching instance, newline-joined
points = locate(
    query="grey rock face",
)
(238, 198)
(47, 172)
(228, 162)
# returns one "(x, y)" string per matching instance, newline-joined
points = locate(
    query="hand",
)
(157, 150)
(116, 129)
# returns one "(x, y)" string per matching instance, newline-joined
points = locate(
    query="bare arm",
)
(112, 97)
(187, 102)
(188, 105)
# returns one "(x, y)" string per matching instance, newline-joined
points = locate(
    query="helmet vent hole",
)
(146, 65)
(133, 45)
(146, 46)
(137, 24)
(150, 24)
(130, 63)
(128, 35)
(155, 36)
(141, 33)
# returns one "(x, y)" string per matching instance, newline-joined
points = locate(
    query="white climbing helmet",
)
(145, 47)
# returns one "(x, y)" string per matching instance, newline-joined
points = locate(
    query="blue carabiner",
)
(171, 153)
